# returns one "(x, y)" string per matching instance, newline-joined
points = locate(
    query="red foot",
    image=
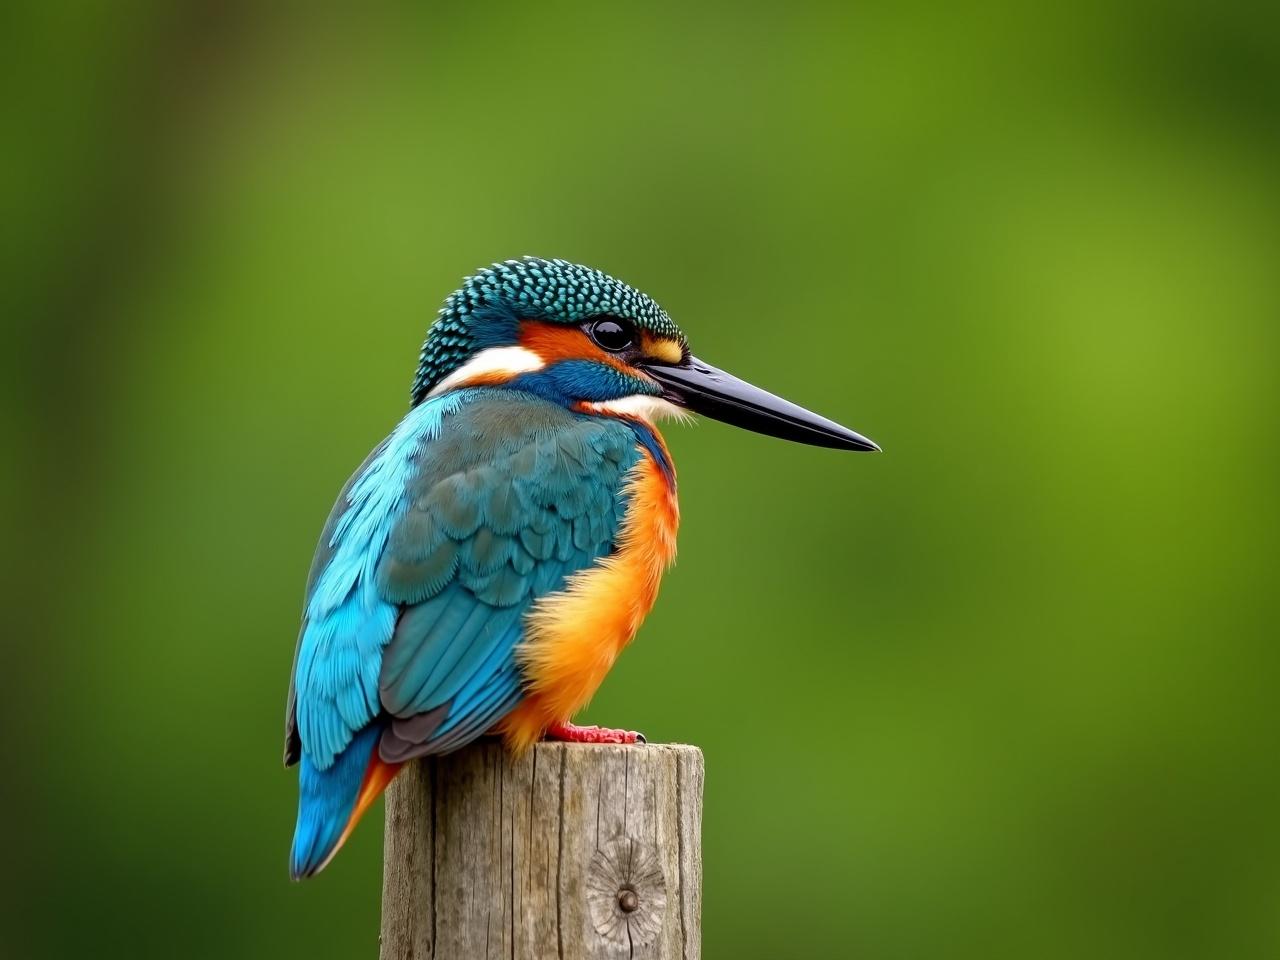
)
(572, 733)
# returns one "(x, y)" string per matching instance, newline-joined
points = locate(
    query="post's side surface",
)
(573, 851)
(408, 908)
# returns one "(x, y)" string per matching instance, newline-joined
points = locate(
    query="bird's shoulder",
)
(450, 449)
(508, 483)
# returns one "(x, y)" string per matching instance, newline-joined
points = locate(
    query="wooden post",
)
(571, 852)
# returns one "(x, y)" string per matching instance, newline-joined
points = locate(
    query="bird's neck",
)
(650, 439)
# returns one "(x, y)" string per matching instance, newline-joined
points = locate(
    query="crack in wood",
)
(684, 923)
(560, 862)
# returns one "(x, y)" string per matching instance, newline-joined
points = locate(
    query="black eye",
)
(613, 335)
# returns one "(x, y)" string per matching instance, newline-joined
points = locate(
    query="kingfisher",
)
(487, 563)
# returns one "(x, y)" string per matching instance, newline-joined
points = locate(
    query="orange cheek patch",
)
(553, 342)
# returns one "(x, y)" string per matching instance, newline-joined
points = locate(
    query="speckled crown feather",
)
(486, 311)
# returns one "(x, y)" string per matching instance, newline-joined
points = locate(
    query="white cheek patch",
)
(642, 407)
(510, 361)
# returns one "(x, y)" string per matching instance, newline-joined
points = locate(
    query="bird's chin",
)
(641, 407)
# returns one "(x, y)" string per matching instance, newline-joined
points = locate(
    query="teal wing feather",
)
(480, 502)
(333, 690)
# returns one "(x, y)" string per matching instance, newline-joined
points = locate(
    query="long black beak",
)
(703, 389)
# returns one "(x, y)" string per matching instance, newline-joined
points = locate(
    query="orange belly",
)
(574, 636)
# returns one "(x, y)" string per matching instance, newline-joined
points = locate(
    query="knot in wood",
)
(627, 893)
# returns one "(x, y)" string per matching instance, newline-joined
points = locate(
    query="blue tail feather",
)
(325, 801)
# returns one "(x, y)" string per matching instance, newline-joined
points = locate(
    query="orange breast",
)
(574, 636)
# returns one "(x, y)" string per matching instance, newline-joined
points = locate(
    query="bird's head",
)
(579, 337)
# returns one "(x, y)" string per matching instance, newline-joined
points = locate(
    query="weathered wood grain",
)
(572, 852)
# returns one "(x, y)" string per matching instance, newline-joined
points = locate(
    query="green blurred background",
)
(1004, 691)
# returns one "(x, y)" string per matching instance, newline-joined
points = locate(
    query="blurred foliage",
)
(1004, 691)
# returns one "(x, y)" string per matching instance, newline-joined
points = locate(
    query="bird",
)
(486, 564)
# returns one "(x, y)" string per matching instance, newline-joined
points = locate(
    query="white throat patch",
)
(642, 407)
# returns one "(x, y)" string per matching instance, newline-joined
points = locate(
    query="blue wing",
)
(480, 502)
